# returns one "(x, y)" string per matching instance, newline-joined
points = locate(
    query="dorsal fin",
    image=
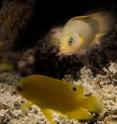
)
(79, 18)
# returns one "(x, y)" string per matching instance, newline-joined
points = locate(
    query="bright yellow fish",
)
(53, 95)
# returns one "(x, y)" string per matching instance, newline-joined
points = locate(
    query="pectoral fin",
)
(81, 39)
(97, 38)
(49, 115)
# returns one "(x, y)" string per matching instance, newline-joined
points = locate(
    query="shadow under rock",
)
(49, 63)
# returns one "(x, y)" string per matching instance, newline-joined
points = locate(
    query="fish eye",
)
(70, 41)
(74, 88)
(19, 88)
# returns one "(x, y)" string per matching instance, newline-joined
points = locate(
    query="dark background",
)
(53, 12)
(48, 13)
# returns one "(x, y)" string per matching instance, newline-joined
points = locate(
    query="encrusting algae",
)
(62, 98)
(6, 67)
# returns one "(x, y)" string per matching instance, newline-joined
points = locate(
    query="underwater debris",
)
(55, 96)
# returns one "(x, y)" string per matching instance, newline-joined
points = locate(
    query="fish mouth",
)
(19, 87)
(65, 52)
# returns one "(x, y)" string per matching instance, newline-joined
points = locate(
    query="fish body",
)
(82, 32)
(53, 95)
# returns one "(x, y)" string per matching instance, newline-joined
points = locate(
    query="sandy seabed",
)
(11, 101)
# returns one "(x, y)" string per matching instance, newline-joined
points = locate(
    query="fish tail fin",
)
(105, 21)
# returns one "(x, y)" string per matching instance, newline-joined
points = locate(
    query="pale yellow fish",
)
(56, 96)
(82, 32)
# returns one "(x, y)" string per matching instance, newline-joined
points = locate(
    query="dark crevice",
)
(48, 13)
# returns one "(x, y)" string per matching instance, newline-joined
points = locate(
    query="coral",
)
(105, 85)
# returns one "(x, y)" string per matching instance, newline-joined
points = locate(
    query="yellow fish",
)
(56, 96)
(82, 32)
